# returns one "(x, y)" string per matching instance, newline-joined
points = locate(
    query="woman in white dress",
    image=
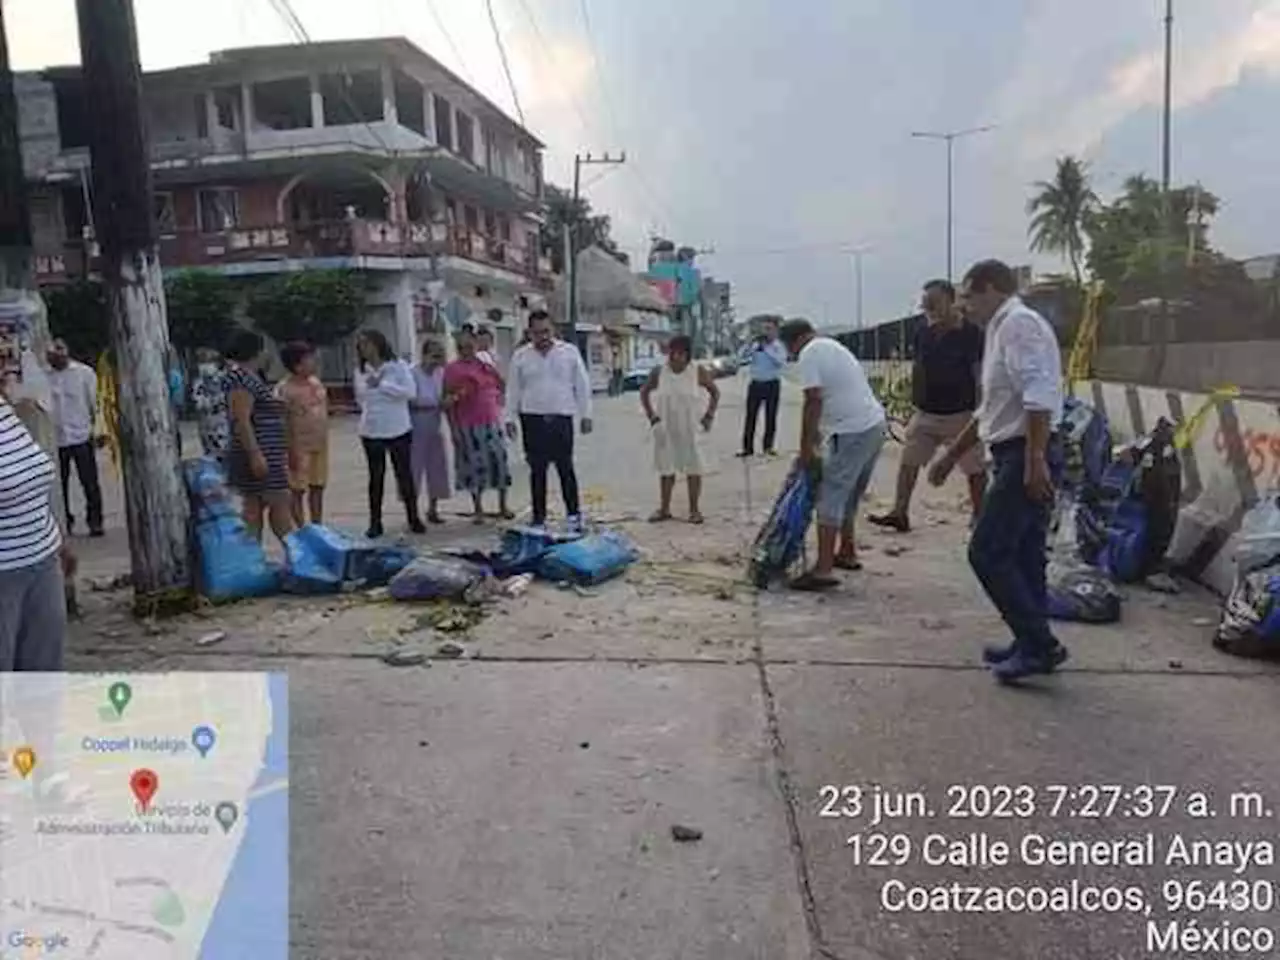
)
(672, 400)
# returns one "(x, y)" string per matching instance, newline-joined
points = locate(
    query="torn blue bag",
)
(780, 541)
(588, 560)
(233, 565)
(322, 559)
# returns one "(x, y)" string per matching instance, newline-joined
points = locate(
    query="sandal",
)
(844, 563)
(811, 582)
(507, 515)
(697, 519)
(659, 516)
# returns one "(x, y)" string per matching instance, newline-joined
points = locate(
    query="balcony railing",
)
(325, 239)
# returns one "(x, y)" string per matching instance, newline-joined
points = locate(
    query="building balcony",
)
(354, 240)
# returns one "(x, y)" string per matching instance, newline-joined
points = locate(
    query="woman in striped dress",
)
(33, 557)
(257, 456)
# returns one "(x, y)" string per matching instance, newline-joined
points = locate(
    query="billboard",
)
(680, 279)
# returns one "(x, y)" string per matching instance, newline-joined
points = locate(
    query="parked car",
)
(723, 366)
(638, 374)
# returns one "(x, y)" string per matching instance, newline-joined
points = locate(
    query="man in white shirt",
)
(1020, 408)
(840, 405)
(75, 405)
(547, 388)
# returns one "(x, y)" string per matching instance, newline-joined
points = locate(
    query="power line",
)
(506, 67)
(448, 38)
(588, 130)
(611, 114)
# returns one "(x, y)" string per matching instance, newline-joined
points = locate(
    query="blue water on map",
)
(252, 915)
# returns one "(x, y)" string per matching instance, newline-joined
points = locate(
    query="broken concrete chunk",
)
(450, 649)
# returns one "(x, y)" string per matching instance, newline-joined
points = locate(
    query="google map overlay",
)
(144, 816)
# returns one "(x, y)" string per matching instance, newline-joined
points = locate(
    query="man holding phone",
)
(768, 359)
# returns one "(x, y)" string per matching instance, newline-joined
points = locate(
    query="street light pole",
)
(950, 137)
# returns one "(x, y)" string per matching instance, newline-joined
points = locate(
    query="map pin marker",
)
(144, 784)
(203, 738)
(24, 761)
(227, 815)
(119, 695)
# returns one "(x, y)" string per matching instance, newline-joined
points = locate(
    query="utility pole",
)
(1166, 173)
(950, 138)
(573, 244)
(156, 504)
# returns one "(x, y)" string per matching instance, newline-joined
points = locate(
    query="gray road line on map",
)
(94, 944)
(88, 915)
(143, 882)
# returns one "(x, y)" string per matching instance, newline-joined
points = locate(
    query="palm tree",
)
(1058, 212)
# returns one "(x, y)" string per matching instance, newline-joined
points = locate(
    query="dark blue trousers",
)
(1008, 550)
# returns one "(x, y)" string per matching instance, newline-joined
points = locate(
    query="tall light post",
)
(949, 137)
(857, 253)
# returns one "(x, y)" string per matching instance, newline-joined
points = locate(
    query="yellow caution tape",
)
(1080, 363)
(108, 426)
(1191, 426)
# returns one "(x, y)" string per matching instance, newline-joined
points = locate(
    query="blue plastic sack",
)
(322, 559)
(207, 489)
(233, 565)
(1250, 624)
(1082, 594)
(588, 560)
(521, 550)
(780, 541)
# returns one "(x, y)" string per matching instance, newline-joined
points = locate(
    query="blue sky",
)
(778, 131)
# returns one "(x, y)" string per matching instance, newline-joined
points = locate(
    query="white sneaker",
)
(575, 524)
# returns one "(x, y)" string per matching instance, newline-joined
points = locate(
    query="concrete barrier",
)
(1232, 459)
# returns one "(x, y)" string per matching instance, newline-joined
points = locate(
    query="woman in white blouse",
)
(384, 386)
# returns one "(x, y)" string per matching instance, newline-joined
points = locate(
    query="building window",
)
(472, 218)
(444, 121)
(163, 211)
(410, 106)
(226, 104)
(351, 98)
(466, 137)
(218, 209)
(283, 104)
(202, 116)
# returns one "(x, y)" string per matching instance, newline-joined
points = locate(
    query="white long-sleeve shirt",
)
(75, 402)
(384, 409)
(554, 383)
(1021, 373)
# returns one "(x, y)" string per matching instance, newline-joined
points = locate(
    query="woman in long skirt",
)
(474, 389)
(429, 460)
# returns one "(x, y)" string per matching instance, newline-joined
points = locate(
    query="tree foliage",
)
(1059, 209)
(1131, 241)
(78, 314)
(201, 309)
(321, 307)
(587, 228)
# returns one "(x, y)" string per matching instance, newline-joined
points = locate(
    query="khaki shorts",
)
(308, 469)
(928, 431)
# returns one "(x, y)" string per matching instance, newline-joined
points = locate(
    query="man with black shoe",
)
(1020, 407)
(768, 359)
(944, 388)
(75, 405)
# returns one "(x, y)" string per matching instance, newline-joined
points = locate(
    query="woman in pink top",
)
(474, 390)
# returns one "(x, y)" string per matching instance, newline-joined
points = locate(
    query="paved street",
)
(517, 803)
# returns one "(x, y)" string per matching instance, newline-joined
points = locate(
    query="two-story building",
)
(362, 154)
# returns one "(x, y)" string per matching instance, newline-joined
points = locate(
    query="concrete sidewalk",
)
(517, 802)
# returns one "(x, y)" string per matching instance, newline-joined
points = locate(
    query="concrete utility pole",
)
(573, 244)
(950, 139)
(155, 497)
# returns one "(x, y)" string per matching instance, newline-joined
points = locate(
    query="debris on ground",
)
(936, 623)
(894, 550)
(405, 658)
(451, 650)
(1175, 664)
(1163, 583)
(447, 617)
(517, 586)
(724, 593)
(209, 639)
(110, 584)
(1202, 622)
(436, 577)
(683, 834)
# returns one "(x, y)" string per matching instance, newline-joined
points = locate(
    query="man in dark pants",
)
(547, 388)
(1020, 407)
(768, 358)
(75, 405)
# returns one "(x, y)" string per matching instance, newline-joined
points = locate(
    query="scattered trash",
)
(683, 834)
(1175, 664)
(936, 623)
(324, 560)
(1082, 594)
(724, 593)
(110, 584)
(209, 639)
(1162, 583)
(517, 586)
(436, 577)
(584, 745)
(894, 550)
(1250, 622)
(451, 650)
(449, 618)
(405, 658)
(1202, 622)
